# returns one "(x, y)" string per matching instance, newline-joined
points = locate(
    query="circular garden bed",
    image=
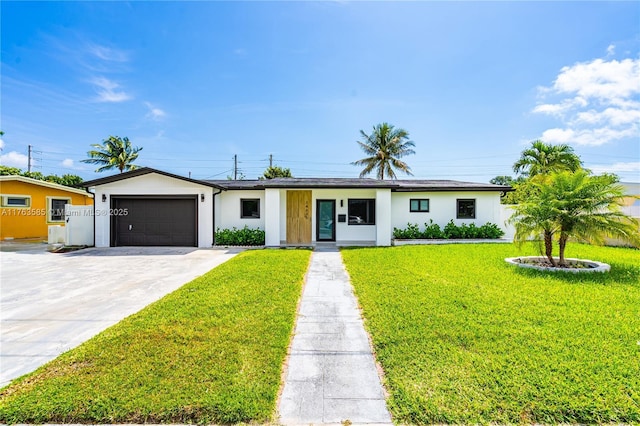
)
(541, 263)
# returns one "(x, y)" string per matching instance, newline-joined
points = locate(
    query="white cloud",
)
(106, 53)
(596, 102)
(611, 49)
(14, 159)
(558, 135)
(1, 144)
(600, 79)
(629, 167)
(589, 137)
(615, 116)
(67, 162)
(155, 113)
(561, 108)
(109, 91)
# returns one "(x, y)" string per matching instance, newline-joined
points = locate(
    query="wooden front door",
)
(298, 217)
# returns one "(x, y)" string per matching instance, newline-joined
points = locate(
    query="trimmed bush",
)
(240, 237)
(450, 231)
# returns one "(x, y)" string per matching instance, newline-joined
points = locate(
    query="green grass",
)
(463, 337)
(211, 352)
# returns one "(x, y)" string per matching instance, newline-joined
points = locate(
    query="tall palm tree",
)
(114, 152)
(384, 147)
(542, 159)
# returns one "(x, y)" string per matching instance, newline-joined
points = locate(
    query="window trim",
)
(419, 200)
(242, 200)
(50, 208)
(475, 207)
(368, 200)
(6, 204)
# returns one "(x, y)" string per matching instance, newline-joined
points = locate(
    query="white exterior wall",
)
(152, 184)
(383, 217)
(228, 210)
(442, 208)
(273, 216)
(345, 233)
(506, 211)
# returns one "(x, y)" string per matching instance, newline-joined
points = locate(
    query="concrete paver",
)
(50, 303)
(331, 373)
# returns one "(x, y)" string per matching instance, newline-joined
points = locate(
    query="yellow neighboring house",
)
(28, 206)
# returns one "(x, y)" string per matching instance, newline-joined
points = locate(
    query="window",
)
(250, 208)
(56, 209)
(16, 201)
(362, 212)
(419, 205)
(466, 209)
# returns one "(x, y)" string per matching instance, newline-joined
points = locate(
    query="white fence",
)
(506, 211)
(79, 225)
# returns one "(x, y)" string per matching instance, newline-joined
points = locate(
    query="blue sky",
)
(195, 83)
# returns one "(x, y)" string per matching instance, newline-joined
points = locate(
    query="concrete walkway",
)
(331, 375)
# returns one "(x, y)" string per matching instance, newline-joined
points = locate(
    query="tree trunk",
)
(548, 247)
(562, 243)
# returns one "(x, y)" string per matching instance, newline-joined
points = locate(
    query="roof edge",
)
(48, 184)
(144, 171)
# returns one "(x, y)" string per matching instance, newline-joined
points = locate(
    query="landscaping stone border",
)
(593, 265)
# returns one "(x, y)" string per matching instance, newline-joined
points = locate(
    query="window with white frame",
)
(12, 200)
(55, 212)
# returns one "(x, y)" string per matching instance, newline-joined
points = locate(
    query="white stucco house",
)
(151, 207)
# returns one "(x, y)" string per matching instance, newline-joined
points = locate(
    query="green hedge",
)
(451, 231)
(239, 237)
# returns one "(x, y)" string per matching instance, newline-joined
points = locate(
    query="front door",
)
(325, 220)
(298, 217)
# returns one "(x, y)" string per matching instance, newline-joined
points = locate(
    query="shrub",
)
(450, 231)
(240, 237)
(490, 230)
(411, 232)
(432, 231)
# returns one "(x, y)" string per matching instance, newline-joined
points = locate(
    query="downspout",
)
(213, 203)
(94, 214)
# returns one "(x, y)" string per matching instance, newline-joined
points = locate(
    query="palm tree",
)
(574, 204)
(587, 208)
(533, 218)
(113, 152)
(384, 147)
(542, 159)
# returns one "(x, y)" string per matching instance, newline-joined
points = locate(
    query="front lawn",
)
(464, 337)
(211, 352)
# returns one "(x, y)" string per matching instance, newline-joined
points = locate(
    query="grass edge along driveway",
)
(463, 337)
(210, 352)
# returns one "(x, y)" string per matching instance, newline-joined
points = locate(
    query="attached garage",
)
(154, 221)
(148, 207)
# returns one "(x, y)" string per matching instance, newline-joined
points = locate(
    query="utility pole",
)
(29, 160)
(235, 167)
(270, 160)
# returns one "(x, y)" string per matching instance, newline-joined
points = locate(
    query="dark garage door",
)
(154, 222)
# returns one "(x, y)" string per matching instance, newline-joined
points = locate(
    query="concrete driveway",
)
(50, 303)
